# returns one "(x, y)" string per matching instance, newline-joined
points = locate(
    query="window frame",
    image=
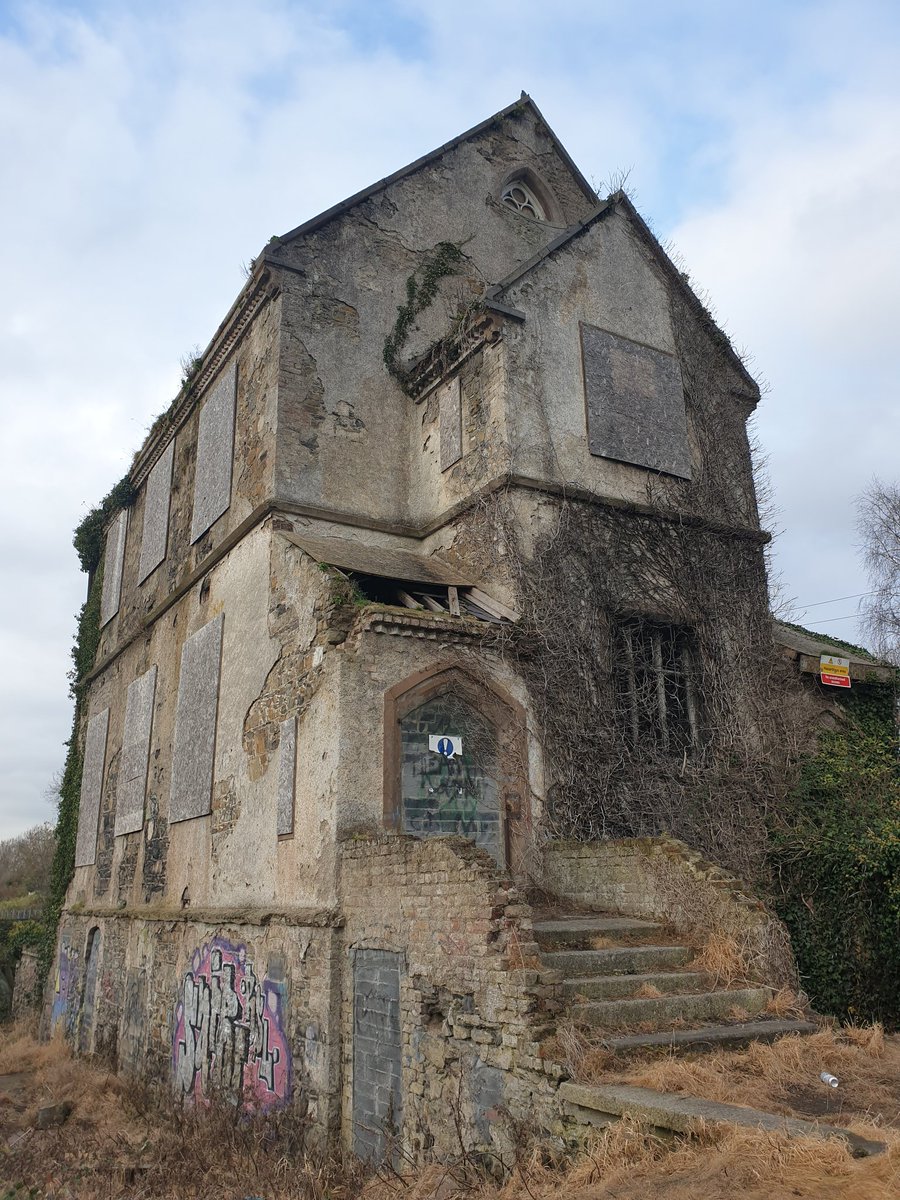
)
(634, 675)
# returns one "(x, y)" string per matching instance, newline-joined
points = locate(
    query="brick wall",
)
(473, 1003)
(664, 879)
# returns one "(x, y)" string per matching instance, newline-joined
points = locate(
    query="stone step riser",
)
(598, 1104)
(710, 1037)
(662, 1010)
(585, 934)
(623, 960)
(616, 987)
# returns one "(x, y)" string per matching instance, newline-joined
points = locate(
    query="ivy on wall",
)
(421, 290)
(835, 851)
(88, 542)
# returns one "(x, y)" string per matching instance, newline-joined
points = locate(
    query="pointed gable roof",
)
(524, 102)
(620, 200)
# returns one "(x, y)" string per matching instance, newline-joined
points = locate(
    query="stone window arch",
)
(478, 793)
(527, 195)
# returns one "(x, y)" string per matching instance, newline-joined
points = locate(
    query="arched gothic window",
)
(518, 196)
(456, 762)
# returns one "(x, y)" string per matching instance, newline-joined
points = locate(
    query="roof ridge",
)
(336, 210)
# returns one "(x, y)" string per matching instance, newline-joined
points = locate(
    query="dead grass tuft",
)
(785, 1003)
(648, 991)
(721, 958)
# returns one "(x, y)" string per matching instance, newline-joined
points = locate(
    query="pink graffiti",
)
(229, 1036)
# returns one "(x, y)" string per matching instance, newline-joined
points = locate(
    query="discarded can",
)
(830, 1080)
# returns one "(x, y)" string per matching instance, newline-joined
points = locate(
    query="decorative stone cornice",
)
(257, 292)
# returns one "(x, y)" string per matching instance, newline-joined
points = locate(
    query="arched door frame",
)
(493, 703)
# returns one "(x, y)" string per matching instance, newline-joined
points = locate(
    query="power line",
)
(819, 603)
(849, 617)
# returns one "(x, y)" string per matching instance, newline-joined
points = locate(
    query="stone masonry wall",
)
(473, 1003)
(206, 1004)
(664, 879)
(26, 990)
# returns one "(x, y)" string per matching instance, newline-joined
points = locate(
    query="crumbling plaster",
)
(252, 483)
(341, 294)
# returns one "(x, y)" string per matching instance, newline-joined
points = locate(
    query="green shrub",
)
(836, 855)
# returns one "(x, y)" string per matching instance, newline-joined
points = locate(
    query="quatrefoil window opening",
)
(520, 198)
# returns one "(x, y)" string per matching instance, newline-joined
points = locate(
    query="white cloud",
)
(149, 150)
(803, 255)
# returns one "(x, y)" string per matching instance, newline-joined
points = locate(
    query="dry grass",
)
(123, 1141)
(722, 959)
(785, 1003)
(628, 1163)
(784, 1077)
(648, 991)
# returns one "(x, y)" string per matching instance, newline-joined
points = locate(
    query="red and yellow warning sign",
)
(834, 671)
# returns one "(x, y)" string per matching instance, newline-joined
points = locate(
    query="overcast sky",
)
(148, 150)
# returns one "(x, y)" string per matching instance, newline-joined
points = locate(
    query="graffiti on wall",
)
(92, 966)
(64, 1012)
(229, 1030)
(450, 794)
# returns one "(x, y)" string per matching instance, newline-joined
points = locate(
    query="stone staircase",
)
(626, 980)
(632, 988)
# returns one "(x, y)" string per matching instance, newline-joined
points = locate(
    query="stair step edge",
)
(680, 1113)
(712, 1034)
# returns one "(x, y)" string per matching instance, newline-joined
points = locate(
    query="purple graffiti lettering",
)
(229, 1034)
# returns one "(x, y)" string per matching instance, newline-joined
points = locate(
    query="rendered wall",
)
(230, 1008)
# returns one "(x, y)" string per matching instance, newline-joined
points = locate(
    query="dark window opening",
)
(656, 686)
(434, 597)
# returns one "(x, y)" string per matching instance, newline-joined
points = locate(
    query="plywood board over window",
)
(113, 561)
(215, 452)
(156, 513)
(287, 769)
(194, 751)
(635, 403)
(450, 420)
(91, 789)
(135, 753)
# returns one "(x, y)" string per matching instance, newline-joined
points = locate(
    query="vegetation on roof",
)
(858, 651)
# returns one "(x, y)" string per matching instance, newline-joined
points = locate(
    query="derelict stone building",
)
(465, 451)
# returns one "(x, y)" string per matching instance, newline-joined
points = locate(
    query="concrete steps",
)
(612, 987)
(602, 987)
(618, 975)
(662, 1010)
(598, 1104)
(708, 1037)
(616, 960)
(578, 932)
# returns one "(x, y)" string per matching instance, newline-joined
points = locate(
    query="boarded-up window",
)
(377, 1052)
(635, 403)
(91, 788)
(156, 513)
(215, 451)
(287, 766)
(450, 793)
(113, 561)
(450, 418)
(194, 751)
(135, 753)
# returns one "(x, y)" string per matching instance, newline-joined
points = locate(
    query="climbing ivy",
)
(836, 854)
(421, 289)
(88, 539)
(88, 543)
